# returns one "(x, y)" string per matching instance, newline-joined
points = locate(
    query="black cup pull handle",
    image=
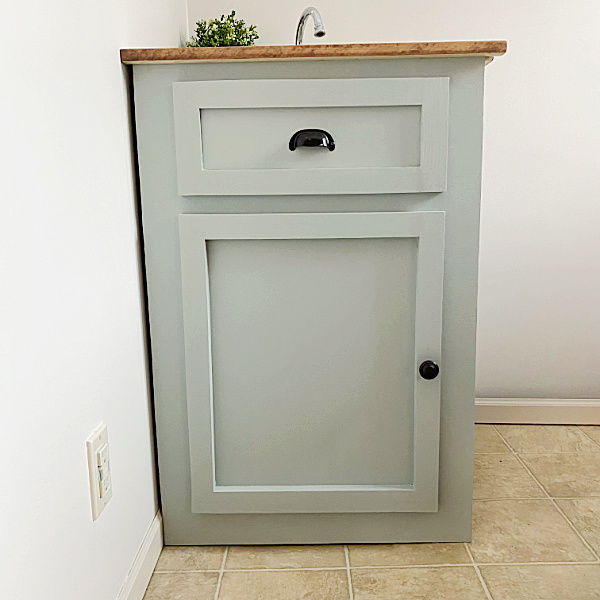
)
(312, 138)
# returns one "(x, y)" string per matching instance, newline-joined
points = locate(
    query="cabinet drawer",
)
(384, 136)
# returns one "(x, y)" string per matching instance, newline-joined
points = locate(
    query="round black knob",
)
(428, 370)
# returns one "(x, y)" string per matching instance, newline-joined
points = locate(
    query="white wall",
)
(539, 316)
(72, 350)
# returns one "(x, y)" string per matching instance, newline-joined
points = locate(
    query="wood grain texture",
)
(138, 56)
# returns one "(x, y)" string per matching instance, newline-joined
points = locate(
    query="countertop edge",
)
(488, 49)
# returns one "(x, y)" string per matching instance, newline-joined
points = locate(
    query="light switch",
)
(99, 470)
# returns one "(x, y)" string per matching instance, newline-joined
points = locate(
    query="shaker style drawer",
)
(311, 136)
(306, 336)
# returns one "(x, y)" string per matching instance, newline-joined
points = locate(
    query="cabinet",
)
(294, 295)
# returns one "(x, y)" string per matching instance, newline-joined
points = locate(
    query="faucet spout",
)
(319, 28)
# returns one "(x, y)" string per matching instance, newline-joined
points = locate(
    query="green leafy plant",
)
(226, 31)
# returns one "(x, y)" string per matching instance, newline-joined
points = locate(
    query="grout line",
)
(585, 452)
(587, 545)
(387, 567)
(492, 453)
(477, 570)
(588, 436)
(535, 498)
(444, 565)
(188, 571)
(266, 570)
(593, 452)
(277, 570)
(575, 497)
(511, 498)
(558, 508)
(504, 441)
(218, 590)
(537, 564)
(349, 575)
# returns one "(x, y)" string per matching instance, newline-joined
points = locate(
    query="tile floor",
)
(536, 536)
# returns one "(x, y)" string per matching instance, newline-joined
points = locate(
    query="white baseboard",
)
(551, 411)
(139, 575)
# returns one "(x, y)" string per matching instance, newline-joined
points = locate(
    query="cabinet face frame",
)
(430, 93)
(207, 497)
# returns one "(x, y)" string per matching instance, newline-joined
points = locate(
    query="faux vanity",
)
(311, 222)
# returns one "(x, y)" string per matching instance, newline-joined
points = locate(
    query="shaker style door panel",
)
(311, 136)
(303, 339)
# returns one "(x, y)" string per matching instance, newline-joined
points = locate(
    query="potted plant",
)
(225, 31)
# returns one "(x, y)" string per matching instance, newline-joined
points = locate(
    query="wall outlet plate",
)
(99, 470)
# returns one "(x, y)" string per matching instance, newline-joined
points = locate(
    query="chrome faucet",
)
(319, 29)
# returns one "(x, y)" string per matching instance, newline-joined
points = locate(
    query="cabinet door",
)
(303, 339)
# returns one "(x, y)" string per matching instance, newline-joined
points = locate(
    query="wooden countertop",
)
(137, 56)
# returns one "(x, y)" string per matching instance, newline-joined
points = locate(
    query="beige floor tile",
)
(546, 438)
(543, 582)
(284, 557)
(190, 558)
(584, 513)
(182, 586)
(566, 475)
(378, 555)
(503, 476)
(284, 585)
(593, 431)
(488, 441)
(430, 583)
(523, 531)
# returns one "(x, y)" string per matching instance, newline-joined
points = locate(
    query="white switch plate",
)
(99, 470)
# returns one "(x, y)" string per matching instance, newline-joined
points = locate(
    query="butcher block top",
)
(488, 49)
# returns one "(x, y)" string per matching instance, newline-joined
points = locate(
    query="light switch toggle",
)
(103, 470)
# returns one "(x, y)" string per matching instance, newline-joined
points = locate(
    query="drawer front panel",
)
(303, 338)
(364, 136)
(233, 136)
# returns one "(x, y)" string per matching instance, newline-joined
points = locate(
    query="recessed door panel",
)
(312, 360)
(303, 338)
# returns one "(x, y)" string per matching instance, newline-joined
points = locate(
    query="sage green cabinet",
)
(292, 296)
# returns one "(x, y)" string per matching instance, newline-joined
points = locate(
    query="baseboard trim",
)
(139, 575)
(550, 411)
